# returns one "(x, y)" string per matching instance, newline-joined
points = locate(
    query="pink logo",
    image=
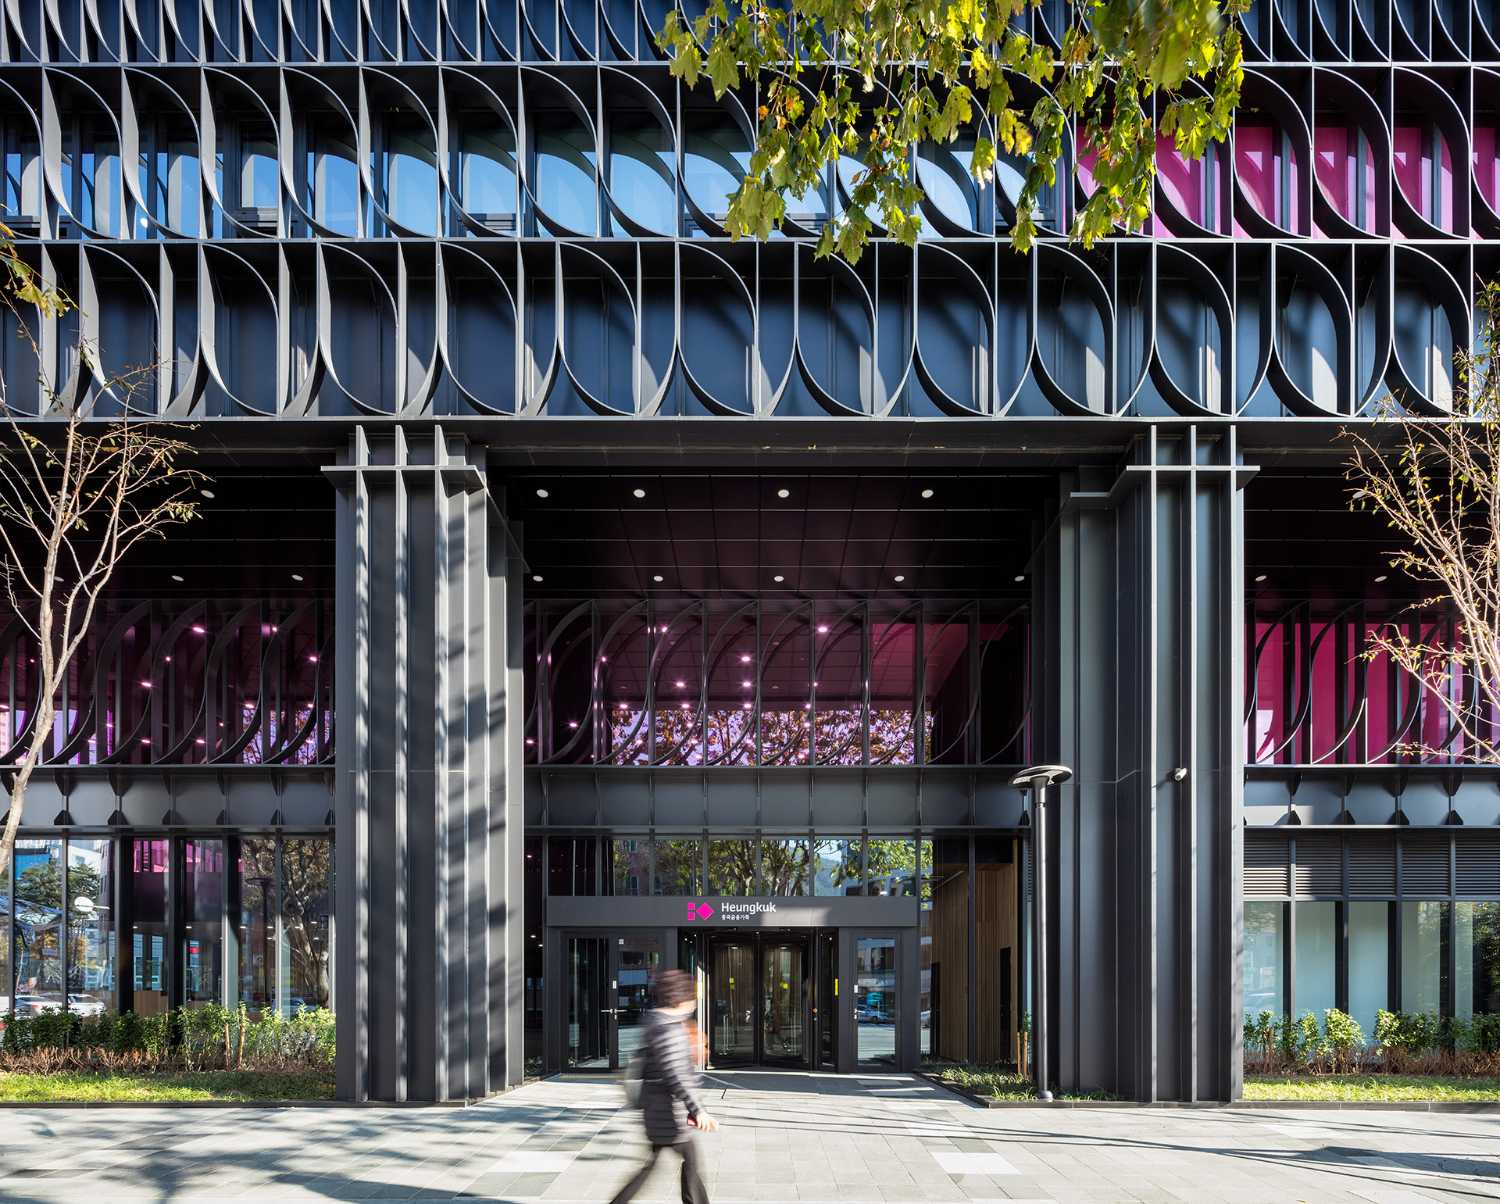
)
(699, 911)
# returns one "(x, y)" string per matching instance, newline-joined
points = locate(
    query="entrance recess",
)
(759, 1001)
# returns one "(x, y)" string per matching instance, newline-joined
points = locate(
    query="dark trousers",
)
(693, 1191)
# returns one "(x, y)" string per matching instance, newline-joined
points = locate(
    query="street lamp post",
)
(1037, 779)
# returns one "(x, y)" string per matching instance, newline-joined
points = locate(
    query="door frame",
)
(908, 998)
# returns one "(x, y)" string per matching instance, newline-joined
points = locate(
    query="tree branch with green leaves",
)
(874, 80)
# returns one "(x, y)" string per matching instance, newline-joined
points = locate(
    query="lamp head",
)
(1042, 775)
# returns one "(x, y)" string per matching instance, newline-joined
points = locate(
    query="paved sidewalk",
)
(786, 1137)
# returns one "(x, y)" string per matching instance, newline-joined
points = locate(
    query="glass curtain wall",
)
(142, 924)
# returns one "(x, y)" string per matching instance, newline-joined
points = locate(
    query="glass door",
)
(731, 1002)
(589, 1028)
(876, 999)
(637, 961)
(784, 1001)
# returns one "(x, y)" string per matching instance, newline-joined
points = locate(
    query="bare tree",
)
(1435, 480)
(76, 496)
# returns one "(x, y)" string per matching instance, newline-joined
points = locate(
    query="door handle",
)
(609, 1011)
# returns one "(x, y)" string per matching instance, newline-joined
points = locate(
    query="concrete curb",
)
(1259, 1105)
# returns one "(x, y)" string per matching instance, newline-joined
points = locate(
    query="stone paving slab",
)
(788, 1138)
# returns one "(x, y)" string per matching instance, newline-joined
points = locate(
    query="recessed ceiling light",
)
(542, 493)
(783, 493)
(822, 628)
(177, 577)
(296, 576)
(658, 578)
(1260, 577)
(778, 578)
(927, 493)
(208, 493)
(1379, 579)
(638, 492)
(537, 577)
(1020, 576)
(900, 578)
(681, 685)
(744, 658)
(747, 683)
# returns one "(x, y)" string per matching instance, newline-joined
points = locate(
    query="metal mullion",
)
(278, 994)
(62, 959)
(867, 654)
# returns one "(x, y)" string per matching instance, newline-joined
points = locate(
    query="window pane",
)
(875, 998)
(679, 867)
(1477, 990)
(1265, 925)
(488, 172)
(1422, 956)
(926, 1046)
(945, 898)
(38, 948)
(1369, 963)
(784, 866)
(91, 926)
(5, 945)
(411, 179)
(201, 904)
(629, 860)
(565, 174)
(892, 866)
(149, 879)
(570, 865)
(731, 867)
(255, 923)
(306, 906)
(836, 859)
(1315, 953)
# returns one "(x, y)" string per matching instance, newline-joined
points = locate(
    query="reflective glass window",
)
(570, 865)
(39, 926)
(1369, 963)
(255, 922)
(679, 866)
(715, 159)
(411, 176)
(307, 888)
(731, 866)
(1315, 958)
(91, 926)
(200, 902)
(1423, 937)
(629, 865)
(150, 877)
(891, 866)
(565, 173)
(784, 866)
(333, 180)
(642, 171)
(893, 690)
(1477, 964)
(487, 173)
(260, 179)
(945, 904)
(836, 866)
(1265, 937)
(6, 948)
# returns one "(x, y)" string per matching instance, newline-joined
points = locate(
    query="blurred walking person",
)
(670, 1108)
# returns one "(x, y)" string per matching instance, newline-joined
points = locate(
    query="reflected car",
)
(36, 1005)
(873, 1014)
(86, 1005)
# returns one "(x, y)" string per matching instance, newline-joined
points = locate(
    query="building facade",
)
(580, 593)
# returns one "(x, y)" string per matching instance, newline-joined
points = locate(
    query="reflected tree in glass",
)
(38, 925)
(91, 937)
(679, 867)
(892, 866)
(307, 902)
(784, 867)
(837, 866)
(731, 867)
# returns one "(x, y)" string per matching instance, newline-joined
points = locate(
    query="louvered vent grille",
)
(1320, 864)
(1372, 868)
(1424, 866)
(1266, 872)
(1479, 864)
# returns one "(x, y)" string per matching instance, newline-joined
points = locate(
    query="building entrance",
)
(759, 999)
